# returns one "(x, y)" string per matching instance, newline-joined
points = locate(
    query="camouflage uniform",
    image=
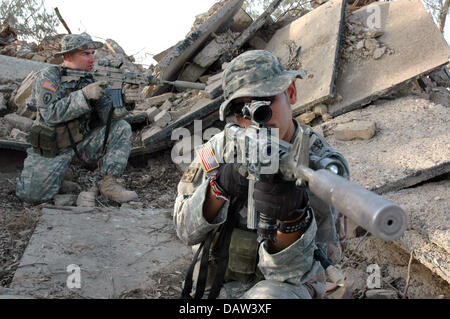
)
(59, 102)
(292, 272)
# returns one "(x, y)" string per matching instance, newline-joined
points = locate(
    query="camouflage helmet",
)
(255, 73)
(78, 42)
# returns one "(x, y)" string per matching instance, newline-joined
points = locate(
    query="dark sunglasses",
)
(237, 108)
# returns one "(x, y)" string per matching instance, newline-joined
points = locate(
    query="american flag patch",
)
(50, 86)
(208, 158)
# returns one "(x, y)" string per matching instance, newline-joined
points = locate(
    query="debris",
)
(61, 200)
(318, 54)
(18, 135)
(378, 52)
(419, 49)
(362, 130)
(16, 121)
(306, 118)
(381, 294)
(163, 119)
(171, 64)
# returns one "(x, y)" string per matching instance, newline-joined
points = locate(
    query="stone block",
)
(167, 105)
(163, 119)
(356, 130)
(306, 118)
(20, 122)
(158, 100)
(320, 109)
(151, 113)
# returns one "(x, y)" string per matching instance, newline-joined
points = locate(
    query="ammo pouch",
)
(49, 141)
(243, 256)
(43, 140)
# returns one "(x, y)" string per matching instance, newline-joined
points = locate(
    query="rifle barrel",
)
(377, 215)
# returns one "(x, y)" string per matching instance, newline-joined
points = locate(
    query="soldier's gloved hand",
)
(278, 200)
(233, 183)
(94, 91)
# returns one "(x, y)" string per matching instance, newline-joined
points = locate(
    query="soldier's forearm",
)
(212, 206)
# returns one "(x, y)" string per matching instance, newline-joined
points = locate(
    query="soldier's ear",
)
(292, 93)
(68, 57)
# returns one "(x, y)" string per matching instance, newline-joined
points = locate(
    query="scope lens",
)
(334, 169)
(262, 114)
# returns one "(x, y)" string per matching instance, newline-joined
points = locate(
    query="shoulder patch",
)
(189, 175)
(208, 158)
(50, 86)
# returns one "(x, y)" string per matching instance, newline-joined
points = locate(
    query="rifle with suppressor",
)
(111, 73)
(264, 155)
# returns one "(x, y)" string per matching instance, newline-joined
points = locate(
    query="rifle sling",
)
(220, 253)
(107, 129)
(74, 146)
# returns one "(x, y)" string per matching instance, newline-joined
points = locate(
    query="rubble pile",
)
(362, 85)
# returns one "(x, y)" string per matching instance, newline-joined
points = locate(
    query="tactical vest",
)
(49, 141)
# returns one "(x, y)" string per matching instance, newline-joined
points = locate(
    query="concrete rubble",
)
(380, 95)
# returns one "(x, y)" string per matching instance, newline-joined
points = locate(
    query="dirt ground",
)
(155, 180)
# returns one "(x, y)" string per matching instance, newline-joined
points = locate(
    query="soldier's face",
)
(80, 60)
(281, 113)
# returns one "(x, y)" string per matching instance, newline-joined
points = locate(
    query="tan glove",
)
(94, 91)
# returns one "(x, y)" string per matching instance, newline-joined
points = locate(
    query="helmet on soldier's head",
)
(78, 42)
(254, 73)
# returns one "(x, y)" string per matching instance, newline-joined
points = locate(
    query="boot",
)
(111, 190)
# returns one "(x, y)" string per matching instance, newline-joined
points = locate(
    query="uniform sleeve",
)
(294, 264)
(190, 225)
(53, 103)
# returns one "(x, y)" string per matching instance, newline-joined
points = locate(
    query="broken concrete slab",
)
(15, 69)
(410, 145)
(214, 49)
(419, 48)
(115, 251)
(428, 233)
(191, 72)
(155, 139)
(241, 21)
(171, 64)
(312, 43)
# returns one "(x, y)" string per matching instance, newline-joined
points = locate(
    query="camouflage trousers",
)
(41, 177)
(271, 289)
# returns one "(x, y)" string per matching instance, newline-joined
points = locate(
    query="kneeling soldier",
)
(71, 120)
